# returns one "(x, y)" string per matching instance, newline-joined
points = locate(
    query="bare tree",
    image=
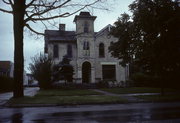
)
(27, 12)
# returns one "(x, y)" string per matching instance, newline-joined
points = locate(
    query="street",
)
(109, 113)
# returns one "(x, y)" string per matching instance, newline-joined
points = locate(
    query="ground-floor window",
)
(109, 72)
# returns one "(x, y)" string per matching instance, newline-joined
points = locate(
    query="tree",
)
(152, 39)
(64, 70)
(67, 69)
(41, 69)
(27, 12)
(122, 29)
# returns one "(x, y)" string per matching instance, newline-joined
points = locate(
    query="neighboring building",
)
(31, 80)
(25, 79)
(87, 49)
(6, 68)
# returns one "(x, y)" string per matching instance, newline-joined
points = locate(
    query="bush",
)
(144, 80)
(41, 69)
(6, 83)
(102, 84)
(140, 79)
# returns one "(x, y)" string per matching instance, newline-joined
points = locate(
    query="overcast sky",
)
(33, 46)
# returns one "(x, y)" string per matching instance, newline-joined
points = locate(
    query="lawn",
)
(135, 90)
(66, 97)
(75, 92)
(157, 98)
(67, 100)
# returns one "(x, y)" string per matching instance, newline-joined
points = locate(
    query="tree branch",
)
(83, 8)
(6, 2)
(65, 14)
(11, 3)
(6, 11)
(36, 10)
(31, 29)
(44, 4)
(47, 10)
(48, 18)
(29, 4)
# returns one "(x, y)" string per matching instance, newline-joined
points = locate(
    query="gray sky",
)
(32, 46)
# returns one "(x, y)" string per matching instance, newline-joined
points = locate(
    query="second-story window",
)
(69, 50)
(86, 45)
(86, 30)
(55, 51)
(101, 50)
(86, 48)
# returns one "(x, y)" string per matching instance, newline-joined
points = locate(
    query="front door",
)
(86, 72)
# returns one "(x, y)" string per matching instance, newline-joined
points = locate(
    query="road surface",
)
(112, 113)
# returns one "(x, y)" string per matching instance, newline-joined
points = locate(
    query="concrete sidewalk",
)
(28, 91)
(129, 97)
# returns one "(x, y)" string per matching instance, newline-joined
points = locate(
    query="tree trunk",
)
(18, 25)
(162, 91)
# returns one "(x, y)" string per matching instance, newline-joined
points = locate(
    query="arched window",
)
(55, 51)
(86, 45)
(86, 48)
(69, 50)
(101, 50)
(86, 30)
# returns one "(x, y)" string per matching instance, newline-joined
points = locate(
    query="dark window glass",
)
(109, 72)
(101, 50)
(86, 45)
(86, 30)
(86, 48)
(69, 51)
(55, 51)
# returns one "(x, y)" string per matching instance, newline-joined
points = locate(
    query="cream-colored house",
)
(87, 49)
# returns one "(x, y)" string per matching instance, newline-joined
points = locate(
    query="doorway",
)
(86, 72)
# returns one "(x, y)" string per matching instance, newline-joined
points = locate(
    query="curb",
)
(54, 105)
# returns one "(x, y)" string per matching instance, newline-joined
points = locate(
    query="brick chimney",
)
(62, 27)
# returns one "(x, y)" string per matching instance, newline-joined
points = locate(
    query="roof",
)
(69, 36)
(5, 65)
(57, 35)
(106, 28)
(84, 15)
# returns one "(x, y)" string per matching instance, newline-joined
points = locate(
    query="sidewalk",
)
(4, 97)
(129, 97)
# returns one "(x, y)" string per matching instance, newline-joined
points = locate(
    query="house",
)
(6, 68)
(87, 49)
(31, 80)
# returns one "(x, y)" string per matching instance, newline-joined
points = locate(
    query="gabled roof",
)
(106, 28)
(69, 36)
(57, 35)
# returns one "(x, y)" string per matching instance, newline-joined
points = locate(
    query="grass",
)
(158, 98)
(67, 97)
(135, 90)
(75, 92)
(63, 100)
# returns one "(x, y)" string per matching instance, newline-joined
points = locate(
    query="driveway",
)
(4, 97)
